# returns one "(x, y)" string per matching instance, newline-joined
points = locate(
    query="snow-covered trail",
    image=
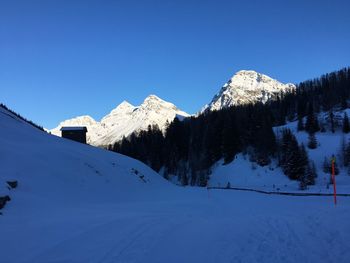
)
(226, 227)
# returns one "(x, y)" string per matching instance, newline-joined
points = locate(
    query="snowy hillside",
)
(124, 120)
(76, 203)
(245, 87)
(242, 173)
(38, 160)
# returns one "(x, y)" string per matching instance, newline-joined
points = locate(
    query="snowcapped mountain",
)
(245, 87)
(95, 129)
(125, 119)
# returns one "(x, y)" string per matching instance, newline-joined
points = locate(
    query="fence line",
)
(273, 193)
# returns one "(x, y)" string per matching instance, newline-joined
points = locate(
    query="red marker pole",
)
(333, 179)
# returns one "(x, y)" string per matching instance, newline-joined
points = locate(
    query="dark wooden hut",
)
(74, 133)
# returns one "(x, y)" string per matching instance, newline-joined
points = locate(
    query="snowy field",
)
(76, 203)
(227, 226)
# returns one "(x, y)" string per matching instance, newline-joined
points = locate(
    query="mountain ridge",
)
(246, 87)
(124, 120)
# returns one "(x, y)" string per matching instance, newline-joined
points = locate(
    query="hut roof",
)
(74, 128)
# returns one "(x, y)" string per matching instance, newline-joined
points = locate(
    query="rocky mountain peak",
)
(125, 119)
(245, 87)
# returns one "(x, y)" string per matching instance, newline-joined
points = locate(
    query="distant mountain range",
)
(245, 87)
(125, 119)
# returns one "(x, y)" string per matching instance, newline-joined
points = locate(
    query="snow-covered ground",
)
(76, 203)
(227, 226)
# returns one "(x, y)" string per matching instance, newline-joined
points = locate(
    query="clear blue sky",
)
(61, 59)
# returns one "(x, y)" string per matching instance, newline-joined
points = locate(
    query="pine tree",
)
(300, 124)
(265, 142)
(287, 142)
(343, 151)
(331, 118)
(311, 124)
(310, 173)
(230, 140)
(326, 166)
(336, 168)
(203, 178)
(346, 124)
(312, 144)
(313, 169)
(347, 155)
(184, 179)
(304, 158)
(305, 169)
(344, 103)
(293, 158)
(303, 182)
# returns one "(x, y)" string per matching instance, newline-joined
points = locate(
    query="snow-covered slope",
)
(245, 87)
(242, 173)
(75, 203)
(52, 169)
(125, 119)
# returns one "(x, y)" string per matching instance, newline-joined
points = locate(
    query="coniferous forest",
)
(190, 147)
